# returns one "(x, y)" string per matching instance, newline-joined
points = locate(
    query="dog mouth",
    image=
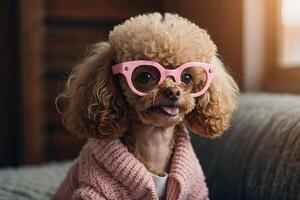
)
(168, 110)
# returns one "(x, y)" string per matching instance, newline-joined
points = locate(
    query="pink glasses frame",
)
(126, 68)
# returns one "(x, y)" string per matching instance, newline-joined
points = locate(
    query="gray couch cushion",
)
(259, 157)
(31, 182)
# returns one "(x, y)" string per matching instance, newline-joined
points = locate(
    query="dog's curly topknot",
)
(166, 39)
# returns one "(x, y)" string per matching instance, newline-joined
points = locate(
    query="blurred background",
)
(41, 40)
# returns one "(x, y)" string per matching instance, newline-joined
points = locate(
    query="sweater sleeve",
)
(87, 193)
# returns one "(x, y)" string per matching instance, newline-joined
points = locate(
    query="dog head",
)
(101, 104)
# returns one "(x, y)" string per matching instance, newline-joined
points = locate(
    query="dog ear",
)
(212, 113)
(94, 106)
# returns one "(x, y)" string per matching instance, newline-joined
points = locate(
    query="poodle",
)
(135, 97)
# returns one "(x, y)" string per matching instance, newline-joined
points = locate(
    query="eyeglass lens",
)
(145, 77)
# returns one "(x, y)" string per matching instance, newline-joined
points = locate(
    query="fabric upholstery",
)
(32, 182)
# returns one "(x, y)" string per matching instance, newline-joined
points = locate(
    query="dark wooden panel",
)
(31, 58)
(8, 86)
(66, 44)
(63, 145)
(5, 138)
(98, 10)
(53, 87)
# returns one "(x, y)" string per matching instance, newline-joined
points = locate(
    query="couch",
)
(257, 158)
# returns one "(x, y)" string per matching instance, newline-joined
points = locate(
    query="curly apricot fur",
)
(94, 107)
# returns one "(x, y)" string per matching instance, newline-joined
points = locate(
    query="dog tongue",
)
(171, 110)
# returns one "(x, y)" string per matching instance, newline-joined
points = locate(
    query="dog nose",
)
(172, 94)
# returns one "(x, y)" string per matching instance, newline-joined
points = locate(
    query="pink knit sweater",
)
(106, 170)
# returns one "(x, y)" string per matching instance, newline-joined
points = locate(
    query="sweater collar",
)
(115, 157)
(182, 166)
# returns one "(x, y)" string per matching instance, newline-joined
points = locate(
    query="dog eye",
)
(186, 78)
(145, 77)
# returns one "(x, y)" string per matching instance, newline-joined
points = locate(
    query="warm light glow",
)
(290, 12)
(290, 33)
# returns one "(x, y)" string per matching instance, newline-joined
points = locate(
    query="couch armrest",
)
(259, 157)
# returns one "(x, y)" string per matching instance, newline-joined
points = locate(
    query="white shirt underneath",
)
(160, 183)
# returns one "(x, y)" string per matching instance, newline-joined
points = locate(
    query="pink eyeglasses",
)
(142, 76)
